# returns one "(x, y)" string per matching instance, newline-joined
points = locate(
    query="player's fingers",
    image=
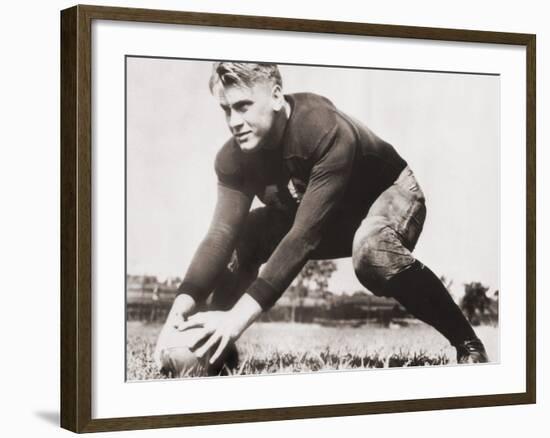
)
(203, 333)
(184, 316)
(186, 325)
(221, 347)
(213, 340)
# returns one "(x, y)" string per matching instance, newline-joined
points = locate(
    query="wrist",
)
(264, 293)
(184, 303)
(190, 289)
(245, 311)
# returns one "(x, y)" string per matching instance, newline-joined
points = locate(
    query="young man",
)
(331, 189)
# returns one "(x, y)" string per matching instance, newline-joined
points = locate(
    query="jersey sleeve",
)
(330, 174)
(215, 250)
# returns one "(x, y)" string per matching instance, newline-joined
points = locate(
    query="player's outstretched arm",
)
(210, 258)
(215, 250)
(327, 184)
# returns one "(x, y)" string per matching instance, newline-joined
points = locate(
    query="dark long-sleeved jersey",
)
(327, 166)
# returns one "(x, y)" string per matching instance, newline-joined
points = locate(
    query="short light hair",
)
(244, 74)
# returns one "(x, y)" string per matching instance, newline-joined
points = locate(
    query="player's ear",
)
(277, 97)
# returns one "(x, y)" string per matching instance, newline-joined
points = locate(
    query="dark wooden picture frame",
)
(76, 217)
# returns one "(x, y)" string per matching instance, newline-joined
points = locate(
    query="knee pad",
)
(378, 255)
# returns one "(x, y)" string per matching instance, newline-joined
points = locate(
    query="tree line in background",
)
(309, 300)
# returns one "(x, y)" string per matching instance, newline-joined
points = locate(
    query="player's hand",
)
(183, 306)
(219, 328)
(222, 328)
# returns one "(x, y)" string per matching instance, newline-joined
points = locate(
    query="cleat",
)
(471, 351)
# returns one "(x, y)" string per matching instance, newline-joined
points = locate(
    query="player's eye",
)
(243, 107)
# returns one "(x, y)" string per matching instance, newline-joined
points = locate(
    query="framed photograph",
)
(269, 218)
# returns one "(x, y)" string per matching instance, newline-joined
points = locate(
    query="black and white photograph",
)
(275, 219)
(285, 218)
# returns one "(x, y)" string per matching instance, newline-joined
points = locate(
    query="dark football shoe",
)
(471, 351)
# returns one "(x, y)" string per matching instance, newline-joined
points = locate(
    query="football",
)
(181, 362)
(176, 360)
(174, 356)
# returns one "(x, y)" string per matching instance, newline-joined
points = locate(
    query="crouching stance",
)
(331, 189)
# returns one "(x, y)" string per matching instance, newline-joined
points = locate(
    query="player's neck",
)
(287, 109)
(279, 127)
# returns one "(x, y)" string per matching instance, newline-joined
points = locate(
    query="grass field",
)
(288, 347)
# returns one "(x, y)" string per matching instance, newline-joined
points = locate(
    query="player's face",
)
(250, 112)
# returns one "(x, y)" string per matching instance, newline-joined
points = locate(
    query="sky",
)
(445, 125)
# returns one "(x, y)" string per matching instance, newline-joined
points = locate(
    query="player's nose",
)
(235, 120)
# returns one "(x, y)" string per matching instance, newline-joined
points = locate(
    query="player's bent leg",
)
(383, 243)
(386, 267)
(378, 254)
(423, 294)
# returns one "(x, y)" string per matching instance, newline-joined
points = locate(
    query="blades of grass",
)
(241, 368)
